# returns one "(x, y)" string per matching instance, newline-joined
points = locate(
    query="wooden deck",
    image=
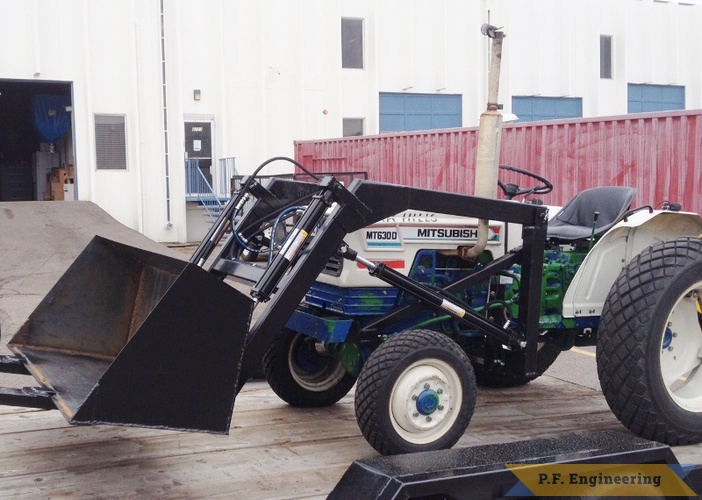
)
(272, 451)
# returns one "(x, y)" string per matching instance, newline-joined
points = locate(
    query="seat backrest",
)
(576, 219)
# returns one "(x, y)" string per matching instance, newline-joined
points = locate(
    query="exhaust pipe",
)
(489, 134)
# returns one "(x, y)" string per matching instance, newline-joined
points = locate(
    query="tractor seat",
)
(575, 220)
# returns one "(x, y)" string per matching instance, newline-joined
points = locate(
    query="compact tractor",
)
(411, 295)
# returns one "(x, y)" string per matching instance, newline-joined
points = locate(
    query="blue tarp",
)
(51, 119)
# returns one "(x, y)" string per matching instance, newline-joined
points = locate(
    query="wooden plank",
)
(273, 450)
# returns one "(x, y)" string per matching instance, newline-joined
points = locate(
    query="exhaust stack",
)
(489, 134)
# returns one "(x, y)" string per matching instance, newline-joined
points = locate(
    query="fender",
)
(613, 252)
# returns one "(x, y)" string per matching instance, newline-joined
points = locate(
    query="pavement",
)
(576, 366)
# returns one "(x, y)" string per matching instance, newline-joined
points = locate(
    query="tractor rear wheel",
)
(649, 346)
(416, 392)
(303, 374)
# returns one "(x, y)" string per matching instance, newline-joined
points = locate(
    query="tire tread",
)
(623, 338)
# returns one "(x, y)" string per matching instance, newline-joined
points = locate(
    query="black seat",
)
(575, 220)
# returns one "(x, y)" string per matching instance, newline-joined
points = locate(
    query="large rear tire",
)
(415, 393)
(649, 346)
(302, 374)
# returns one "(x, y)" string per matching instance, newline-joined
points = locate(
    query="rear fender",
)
(588, 290)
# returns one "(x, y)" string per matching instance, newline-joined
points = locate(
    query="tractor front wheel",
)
(415, 393)
(649, 346)
(303, 374)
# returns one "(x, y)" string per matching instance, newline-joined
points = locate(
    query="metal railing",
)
(200, 189)
(222, 182)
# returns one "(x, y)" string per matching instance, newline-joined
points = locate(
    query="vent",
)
(110, 143)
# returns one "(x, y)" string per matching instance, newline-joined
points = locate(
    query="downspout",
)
(489, 134)
(169, 222)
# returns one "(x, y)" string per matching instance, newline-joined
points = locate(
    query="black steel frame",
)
(286, 281)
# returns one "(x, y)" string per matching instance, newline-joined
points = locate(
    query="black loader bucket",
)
(130, 337)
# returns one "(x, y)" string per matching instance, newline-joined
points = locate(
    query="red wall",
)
(660, 154)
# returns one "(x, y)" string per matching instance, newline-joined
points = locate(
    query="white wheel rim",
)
(681, 351)
(327, 377)
(425, 401)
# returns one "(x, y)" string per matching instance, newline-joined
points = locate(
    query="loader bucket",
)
(131, 337)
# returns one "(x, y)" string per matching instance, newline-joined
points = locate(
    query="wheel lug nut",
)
(414, 397)
(675, 334)
(440, 407)
(426, 386)
(439, 391)
(428, 419)
(415, 414)
(670, 348)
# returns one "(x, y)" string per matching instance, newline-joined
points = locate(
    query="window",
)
(352, 43)
(110, 142)
(353, 127)
(406, 112)
(647, 98)
(605, 56)
(529, 108)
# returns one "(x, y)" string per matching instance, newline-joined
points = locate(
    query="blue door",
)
(407, 112)
(646, 98)
(529, 108)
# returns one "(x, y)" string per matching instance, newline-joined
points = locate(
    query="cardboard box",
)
(56, 189)
(59, 175)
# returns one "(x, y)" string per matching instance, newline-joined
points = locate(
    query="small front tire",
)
(416, 392)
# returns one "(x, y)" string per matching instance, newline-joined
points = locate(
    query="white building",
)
(245, 78)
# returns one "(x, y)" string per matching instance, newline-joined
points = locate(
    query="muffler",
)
(130, 337)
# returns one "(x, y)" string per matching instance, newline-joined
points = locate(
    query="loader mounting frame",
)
(365, 203)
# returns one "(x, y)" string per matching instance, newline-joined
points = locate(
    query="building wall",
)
(269, 72)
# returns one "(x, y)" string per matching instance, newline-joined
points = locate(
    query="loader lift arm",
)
(442, 298)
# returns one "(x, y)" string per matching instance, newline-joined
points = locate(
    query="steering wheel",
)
(512, 190)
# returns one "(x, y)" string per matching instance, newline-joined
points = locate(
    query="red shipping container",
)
(659, 154)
